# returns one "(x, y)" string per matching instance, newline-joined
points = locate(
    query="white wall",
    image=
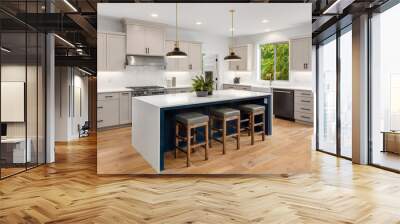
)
(137, 76)
(211, 44)
(66, 121)
(297, 78)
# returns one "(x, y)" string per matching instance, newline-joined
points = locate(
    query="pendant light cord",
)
(231, 48)
(176, 25)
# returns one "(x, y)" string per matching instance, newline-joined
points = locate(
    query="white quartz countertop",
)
(182, 99)
(273, 86)
(113, 90)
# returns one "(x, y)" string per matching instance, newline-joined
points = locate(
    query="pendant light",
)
(176, 52)
(232, 56)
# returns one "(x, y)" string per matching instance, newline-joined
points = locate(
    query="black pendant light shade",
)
(232, 57)
(176, 52)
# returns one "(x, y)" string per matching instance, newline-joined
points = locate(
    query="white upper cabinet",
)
(144, 40)
(245, 52)
(192, 62)
(300, 54)
(111, 51)
(116, 52)
(196, 57)
(101, 51)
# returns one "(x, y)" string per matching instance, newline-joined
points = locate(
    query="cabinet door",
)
(195, 57)
(242, 64)
(172, 63)
(101, 52)
(109, 113)
(300, 54)
(154, 41)
(115, 52)
(135, 43)
(183, 63)
(125, 108)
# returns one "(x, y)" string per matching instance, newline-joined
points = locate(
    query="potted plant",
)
(202, 86)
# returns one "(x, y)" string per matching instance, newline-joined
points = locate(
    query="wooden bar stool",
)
(190, 121)
(225, 115)
(253, 110)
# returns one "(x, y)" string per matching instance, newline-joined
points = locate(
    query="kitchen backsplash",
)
(140, 76)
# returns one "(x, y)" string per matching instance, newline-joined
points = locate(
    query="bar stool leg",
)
(263, 126)
(252, 128)
(238, 133)
(249, 126)
(206, 139)
(176, 139)
(223, 136)
(188, 146)
(211, 131)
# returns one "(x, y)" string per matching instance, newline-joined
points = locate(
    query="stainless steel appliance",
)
(154, 61)
(283, 103)
(147, 90)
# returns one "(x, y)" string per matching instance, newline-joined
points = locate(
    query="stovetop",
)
(147, 90)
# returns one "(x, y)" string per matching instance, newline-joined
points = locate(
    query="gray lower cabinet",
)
(125, 103)
(304, 106)
(236, 86)
(113, 109)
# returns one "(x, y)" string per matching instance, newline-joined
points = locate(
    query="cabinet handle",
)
(237, 67)
(308, 109)
(148, 50)
(281, 91)
(305, 117)
(306, 94)
(99, 107)
(125, 93)
(100, 121)
(108, 96)
(306, 101)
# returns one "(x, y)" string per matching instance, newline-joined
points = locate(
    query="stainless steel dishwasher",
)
(283, 102)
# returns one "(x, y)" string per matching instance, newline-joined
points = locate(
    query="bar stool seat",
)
(224, 115)
(224, 112)
(252, 108)
(190, 121)
(191, 118)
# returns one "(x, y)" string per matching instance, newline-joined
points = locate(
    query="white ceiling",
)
(215, 17)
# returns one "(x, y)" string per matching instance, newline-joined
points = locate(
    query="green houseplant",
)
(202, 86)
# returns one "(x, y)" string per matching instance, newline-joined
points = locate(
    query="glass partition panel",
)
(13, 93)
(385, 89)
(327, 96)
(346, 93)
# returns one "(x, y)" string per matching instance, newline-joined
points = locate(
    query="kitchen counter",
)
(273, 86)
(180, 99)
(153, 118)
(113, 90)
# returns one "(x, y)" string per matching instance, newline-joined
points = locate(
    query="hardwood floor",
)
(70, 191)
(285, 152)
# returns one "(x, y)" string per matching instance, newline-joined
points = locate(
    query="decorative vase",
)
(201, 93)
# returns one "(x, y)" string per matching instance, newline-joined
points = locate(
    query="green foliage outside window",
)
(275, 61)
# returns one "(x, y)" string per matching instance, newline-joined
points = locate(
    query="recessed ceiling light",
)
(231, 29)
(267, 30)
(198, 23)
(265, 21)
(154, 15)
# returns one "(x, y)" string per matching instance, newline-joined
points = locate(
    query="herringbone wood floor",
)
(69, 191)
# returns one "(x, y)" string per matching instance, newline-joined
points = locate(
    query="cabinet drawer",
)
(303, 93)
(107, 113)
(304, 117)
(303, 109)
(304, 101)
(107, 96)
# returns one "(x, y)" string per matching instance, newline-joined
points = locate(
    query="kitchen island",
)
(153, 118)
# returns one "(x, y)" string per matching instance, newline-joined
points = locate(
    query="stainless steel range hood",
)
(139, 60)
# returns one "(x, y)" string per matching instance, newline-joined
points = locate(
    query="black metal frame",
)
(339, 32)
(44, 80)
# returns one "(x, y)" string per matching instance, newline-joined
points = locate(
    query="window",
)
(274, 61)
